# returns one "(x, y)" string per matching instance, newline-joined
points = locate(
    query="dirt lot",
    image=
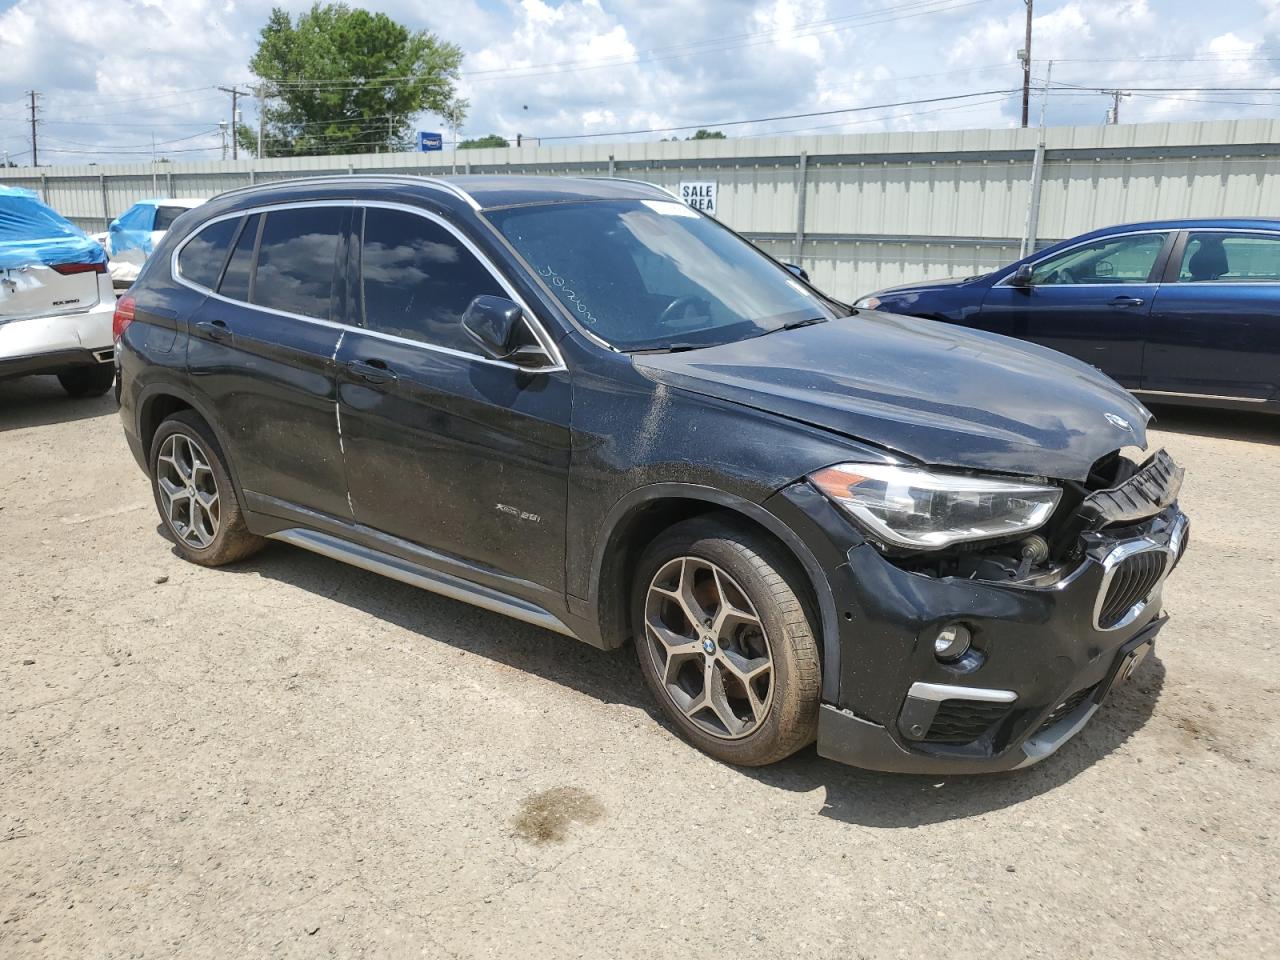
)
(296, 758)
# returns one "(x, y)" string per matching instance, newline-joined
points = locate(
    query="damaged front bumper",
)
(1045, 653)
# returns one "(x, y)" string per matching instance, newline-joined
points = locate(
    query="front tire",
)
(194, 494)
(93, 381)
(725, 642)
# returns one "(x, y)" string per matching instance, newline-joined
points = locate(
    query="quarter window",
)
(418, 279)
(297, 259)
(165, 217)
(1230, 257)
(235, 282)
(1127, 259)
(201, 260)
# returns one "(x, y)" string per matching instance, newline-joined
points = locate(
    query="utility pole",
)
(1025, 56)
(261, 93)
(236, 94)
(1113, 115)
(222, 129)
(35, 158)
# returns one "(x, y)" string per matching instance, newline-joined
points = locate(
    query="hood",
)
(939, 394)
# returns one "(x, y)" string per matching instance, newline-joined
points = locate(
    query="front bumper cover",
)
(1044, 655)
(845, 737)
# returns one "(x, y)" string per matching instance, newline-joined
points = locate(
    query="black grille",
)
(1066, 707)
(963, 721)
(1131, 580)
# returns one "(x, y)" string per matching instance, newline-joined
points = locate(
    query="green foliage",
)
(489, 140)
(349, 81)
(702, 134)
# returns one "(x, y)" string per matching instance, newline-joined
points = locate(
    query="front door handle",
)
(214, 329)
(1127, 302)
(372, 370)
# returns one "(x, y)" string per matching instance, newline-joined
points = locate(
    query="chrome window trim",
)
(535, 324)
(1004, 281)
(1199, 396)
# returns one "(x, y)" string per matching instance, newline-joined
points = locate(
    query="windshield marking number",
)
(548, 274)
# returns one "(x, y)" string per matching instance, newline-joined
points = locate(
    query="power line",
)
(785, 116)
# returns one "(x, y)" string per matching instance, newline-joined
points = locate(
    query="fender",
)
(753, 511)
(148, 393)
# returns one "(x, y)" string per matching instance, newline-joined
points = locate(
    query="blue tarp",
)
(32, 233)
(132, 229)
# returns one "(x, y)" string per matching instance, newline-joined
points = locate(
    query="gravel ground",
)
(292, 757)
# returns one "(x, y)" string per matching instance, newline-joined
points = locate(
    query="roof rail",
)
(437, 183)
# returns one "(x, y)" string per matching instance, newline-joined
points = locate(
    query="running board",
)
(447, 585)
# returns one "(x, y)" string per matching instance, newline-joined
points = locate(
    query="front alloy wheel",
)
(725, 641)
(709, 647)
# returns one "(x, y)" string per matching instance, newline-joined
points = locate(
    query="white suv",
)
(56, 298)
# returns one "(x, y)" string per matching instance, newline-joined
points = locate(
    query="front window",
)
(655, 274)
(1127, 259)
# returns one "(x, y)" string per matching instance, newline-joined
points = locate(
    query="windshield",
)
(655, 274)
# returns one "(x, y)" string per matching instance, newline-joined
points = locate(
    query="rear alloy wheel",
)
(725, 642)
(188, 491)
(194, 494)
(88, 381)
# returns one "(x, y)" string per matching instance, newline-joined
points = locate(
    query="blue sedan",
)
(1179, 311)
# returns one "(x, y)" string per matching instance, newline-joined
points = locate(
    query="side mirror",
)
(798, 271)
(1022, 276)
(495, 323)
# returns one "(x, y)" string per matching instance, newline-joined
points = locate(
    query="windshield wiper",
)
(671, 348)
(796, 325)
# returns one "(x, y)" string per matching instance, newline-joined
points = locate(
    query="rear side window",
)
(1230, 258)
(235, 283)
(166, 215)
(201, 260)
(418, 279)
(297, 260)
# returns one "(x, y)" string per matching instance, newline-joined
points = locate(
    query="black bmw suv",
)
(586, 405)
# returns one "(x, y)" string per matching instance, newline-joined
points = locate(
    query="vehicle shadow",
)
(40, 401)
(1225, 424)
(852, 796)
(896, 800)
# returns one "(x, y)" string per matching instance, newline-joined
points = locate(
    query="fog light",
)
(952, 642)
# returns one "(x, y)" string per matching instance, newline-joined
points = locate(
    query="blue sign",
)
(429, 141)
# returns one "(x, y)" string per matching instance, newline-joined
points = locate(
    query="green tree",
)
(348, 81)
(489, 140)
(708, 135)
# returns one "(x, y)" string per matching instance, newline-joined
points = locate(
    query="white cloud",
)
(116, 72)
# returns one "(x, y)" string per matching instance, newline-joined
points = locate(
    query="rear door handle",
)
(1127, 302)
(372, 371)
(214, 329)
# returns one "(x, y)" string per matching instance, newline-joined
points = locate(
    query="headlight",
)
(867, 303)
(923, 510)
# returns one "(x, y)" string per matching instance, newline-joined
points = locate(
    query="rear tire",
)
(88, 381)
(725, 642)
(194, 494)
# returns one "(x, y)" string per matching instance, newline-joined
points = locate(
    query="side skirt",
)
(416, 575)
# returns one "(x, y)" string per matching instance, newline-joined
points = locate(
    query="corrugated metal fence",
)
(859, 212)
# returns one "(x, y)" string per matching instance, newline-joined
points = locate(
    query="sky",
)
(112, 75)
